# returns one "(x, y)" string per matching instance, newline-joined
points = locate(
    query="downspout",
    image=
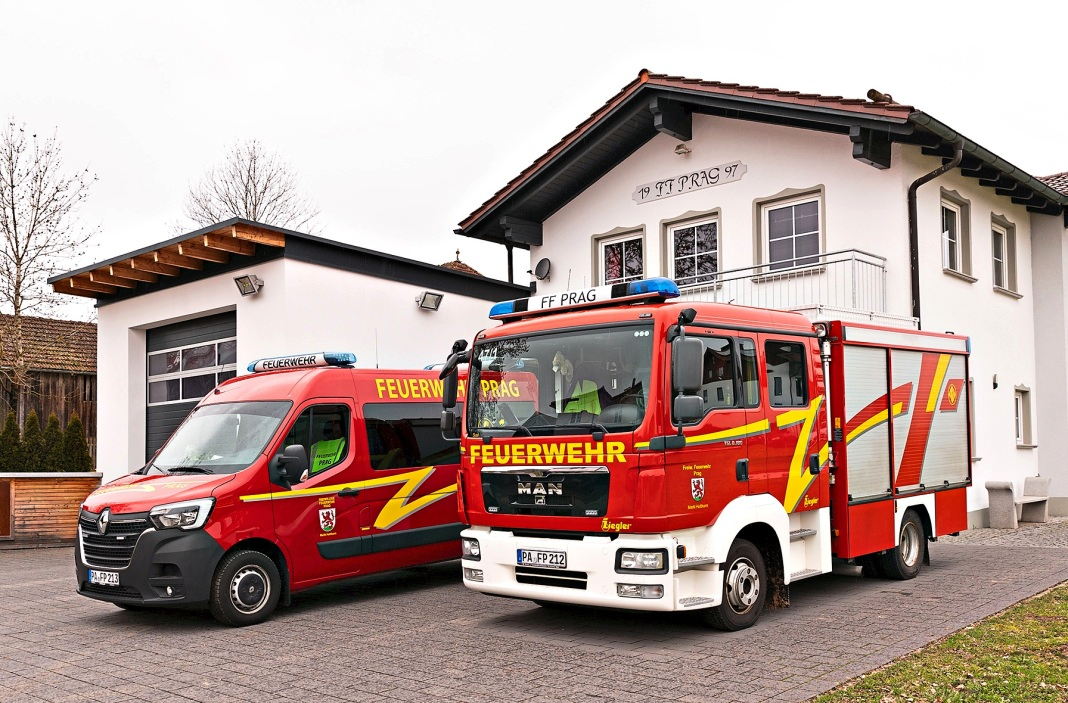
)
(914, 227)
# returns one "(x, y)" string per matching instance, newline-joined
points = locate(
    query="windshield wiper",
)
(593, 427)
(189, 469)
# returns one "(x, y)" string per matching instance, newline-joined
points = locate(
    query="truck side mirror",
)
(450, 424)
(286, 468)
(688, 408)
(687, 362)
(449, 385)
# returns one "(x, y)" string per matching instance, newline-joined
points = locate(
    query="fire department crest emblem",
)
(326, 519)
(697, 488)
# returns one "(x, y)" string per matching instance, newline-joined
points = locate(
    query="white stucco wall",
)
(863, 208)
(1050, 269)
(301, 308)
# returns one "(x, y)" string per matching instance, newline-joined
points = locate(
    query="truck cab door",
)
(317, 518)
(713, 468)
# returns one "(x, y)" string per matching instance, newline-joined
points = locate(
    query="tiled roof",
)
(1058, 181)
(885, 109)
(460, 266)
(54, 345)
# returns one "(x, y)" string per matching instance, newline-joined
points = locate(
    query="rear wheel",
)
(904, 561)
(745, 583)
(245, 589)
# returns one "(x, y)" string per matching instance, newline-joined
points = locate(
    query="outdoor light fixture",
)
(682, 149)
(428, 300)
(249, 284)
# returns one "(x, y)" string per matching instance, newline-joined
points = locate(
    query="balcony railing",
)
(848, 284)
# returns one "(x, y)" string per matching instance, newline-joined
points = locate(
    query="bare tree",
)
(254, 184)
(41, 234)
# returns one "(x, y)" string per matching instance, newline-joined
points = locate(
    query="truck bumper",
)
(592, 575)
(168, 568)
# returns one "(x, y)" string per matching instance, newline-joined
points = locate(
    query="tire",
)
(245, 589)
(903, 562)
(745, 587)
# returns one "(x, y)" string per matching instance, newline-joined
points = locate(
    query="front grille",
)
(551, 577)
(113, 549)
(120, 591)
(552, 492)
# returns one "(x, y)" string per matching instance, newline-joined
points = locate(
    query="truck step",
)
(697, 600)
(801, 534)
(687, 563)
(804, 574)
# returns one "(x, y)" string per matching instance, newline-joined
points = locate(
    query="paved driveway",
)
(418, 635)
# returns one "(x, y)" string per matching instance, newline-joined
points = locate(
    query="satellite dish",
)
(541, 271)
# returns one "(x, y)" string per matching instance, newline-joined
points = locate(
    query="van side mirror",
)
(286, 468)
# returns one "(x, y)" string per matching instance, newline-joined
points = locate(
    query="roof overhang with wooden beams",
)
(216, 249)
(237, 244)
(656, 104)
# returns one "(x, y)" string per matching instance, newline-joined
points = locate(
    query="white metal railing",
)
(849, 283)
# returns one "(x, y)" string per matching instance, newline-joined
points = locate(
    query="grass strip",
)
(1019, 655)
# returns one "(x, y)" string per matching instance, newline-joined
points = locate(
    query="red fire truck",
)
(305, 471)
(700, 456)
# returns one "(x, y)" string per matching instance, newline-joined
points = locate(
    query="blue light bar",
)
(302, 361)
(633, 291)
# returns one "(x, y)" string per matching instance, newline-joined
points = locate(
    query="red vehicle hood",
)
(138, 494)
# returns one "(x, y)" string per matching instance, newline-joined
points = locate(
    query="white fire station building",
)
(864, 210)
(177, 317)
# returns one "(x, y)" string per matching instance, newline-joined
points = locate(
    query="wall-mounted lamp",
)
(682, 149)
(428, 300)
(248, 285)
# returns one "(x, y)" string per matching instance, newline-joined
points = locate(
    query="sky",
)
(402, 117)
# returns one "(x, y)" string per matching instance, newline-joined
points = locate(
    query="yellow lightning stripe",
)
(873, 422)
(396, 508)
(800, 477)
(753, 428)
(936, 387)
(750, 430)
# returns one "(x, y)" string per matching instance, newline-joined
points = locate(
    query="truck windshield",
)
(570, 382)
(222, 438)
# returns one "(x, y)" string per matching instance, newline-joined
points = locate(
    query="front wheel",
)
(745, 581)
(245, 589)
(904, 561)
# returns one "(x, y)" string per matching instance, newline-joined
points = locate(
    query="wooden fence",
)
(41, 509)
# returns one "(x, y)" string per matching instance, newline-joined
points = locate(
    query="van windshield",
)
(222, 438)
(570, 382)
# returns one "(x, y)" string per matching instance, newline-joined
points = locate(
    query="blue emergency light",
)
(649, 288)
(302, 361)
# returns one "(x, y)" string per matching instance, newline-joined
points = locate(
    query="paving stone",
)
(419, 635)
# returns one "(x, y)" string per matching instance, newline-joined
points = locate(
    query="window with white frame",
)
(191, 372)
(1022, 399)
(956, 244)
(791, 233)
(1003, 254)
(694, 252)
(621, 259)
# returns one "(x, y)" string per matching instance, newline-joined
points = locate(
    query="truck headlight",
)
(188, 515)
(470, 549)
(641, 561)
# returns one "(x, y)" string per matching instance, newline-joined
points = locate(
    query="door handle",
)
(741, 470)
(348, 492)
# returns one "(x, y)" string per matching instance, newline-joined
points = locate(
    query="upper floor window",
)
(695, 252)
(1003, 255)
(621, 259)
(956, 240)
(791, 233)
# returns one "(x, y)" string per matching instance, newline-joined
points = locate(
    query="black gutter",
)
(914, 228)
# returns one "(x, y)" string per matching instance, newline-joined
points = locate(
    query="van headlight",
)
(188, 515)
